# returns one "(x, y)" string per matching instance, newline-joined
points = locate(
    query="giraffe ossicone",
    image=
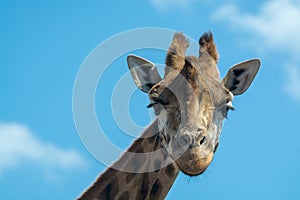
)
(191, 103)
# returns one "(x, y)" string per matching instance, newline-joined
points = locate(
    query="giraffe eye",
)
(151, 104)
(225, 112)
(226, 108)
(155, 101)
(155, 96)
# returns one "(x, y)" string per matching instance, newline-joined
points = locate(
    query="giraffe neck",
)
(137, 183)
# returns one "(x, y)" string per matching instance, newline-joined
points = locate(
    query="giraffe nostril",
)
(203, 140)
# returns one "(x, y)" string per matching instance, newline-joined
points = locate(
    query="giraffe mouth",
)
(192, 163)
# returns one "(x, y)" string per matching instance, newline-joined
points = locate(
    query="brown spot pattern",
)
(110, 191)
(142, 194)
(156, 190)
(124, 196)
(170, 171)
(129, 177)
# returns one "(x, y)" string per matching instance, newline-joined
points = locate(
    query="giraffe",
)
(191, 103)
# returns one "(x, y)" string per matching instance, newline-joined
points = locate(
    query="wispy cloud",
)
(275, 25)
(18, 144)
(292, 85)
(163, 5)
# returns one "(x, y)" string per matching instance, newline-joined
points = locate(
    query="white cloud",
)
(276, 25)
(18, 144)
(166, 4)
(292, 85)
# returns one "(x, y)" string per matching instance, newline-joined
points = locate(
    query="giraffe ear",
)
(240, 76)
(143, 72)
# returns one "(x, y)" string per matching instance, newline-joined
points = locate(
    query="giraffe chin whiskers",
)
(192, 164)
(190, 155)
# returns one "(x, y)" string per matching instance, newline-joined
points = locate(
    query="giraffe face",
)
(191, 101)
(191, 110)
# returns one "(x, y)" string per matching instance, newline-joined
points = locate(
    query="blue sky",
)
(44, 43)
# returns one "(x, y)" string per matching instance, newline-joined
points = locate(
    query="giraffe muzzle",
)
(193, 152)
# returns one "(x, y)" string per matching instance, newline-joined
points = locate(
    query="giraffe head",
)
(191, 101)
